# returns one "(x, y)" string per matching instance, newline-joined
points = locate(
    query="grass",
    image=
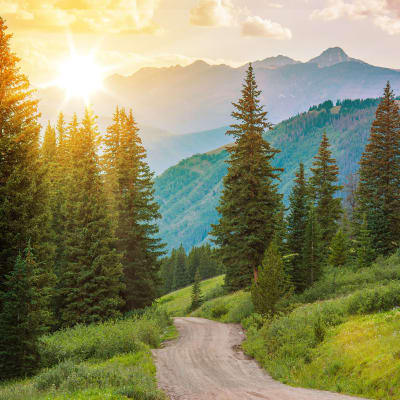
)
(111, 360)
(177, 303)
(360, 356)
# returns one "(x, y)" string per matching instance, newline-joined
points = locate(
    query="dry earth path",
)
(206, 363)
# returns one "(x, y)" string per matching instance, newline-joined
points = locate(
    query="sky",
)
(126, 35)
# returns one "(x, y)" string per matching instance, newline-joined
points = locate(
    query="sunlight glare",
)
(80, 76)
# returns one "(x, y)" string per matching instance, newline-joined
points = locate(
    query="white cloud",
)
(213, 13)
(99, 16)
(257, 26)
(385, 13)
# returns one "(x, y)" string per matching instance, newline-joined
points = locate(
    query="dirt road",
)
(206, 364)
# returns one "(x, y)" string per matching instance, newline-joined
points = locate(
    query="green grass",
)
(177, 303)
(111, 360)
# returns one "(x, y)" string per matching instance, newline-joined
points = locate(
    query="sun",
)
(80, 76)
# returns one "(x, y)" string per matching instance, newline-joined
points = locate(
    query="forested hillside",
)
(189, 192)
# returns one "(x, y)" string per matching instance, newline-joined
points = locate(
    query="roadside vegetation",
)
(110, 360)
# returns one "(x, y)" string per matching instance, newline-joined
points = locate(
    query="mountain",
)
(189, 192)
(274, 62)
(332, 56)
(198, 97)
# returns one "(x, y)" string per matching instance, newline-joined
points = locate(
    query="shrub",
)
(219, 310)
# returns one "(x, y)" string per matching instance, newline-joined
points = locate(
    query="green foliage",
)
(20, 322)
(131, 195)
(23, 193)
(91, 277)
(92, 362)
(249, 202)
(324, 188)
(312, 253)
(196, 292)
(272, 283)
(339, 249)
(365, 248)
(378, 192)
(181, 278)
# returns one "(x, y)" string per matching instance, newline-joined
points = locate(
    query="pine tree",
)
(196, 292)
(249, 201)
(24, 211)
(23, 318)
(365, 249)
(167, 270)
(324, 188)
(312, 254)
(272, 283)
(195, 261)
(339, 249)
(132, 202)
(378, 193)
(297, 222)
(180, 268)
(91, 277)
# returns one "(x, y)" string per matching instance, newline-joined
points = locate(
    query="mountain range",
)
(189, 192)
(169, 102)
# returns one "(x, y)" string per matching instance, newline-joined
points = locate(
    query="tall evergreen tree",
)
(194, 262)
(24, 212)
(91, 278)
(324, 188)
(249, 201)
(196, 292)
(181, 279)
(22, 318)
(312, 254)
(378, 193)
(365, 247)
(297, 223)
(136, 211)
(339, 249)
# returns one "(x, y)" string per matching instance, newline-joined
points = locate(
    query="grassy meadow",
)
(342, 334)
(111, 360)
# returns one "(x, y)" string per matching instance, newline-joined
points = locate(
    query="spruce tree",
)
(272, 284)
(378, 193)
(324, 188)
(24, 209)
(23, 318)
(194, 261)
(130, 183)
(339, 249)
(297, 222)
(249, 201)
(365, 247)
(181, 279)
(312, 253)
(196, 292)
(91, 277)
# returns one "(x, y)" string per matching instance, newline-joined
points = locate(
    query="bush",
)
(219, 310)
(105, 340)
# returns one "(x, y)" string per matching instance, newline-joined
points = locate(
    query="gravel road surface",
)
(206, 363)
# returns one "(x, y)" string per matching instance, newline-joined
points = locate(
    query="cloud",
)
(385, 13)
(213, 13)
(257, 26)
(87, 16)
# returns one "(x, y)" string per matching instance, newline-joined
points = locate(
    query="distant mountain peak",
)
(198, 65)
(331, 56)
(275, 62)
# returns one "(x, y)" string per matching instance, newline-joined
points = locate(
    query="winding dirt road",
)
(205, 363)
